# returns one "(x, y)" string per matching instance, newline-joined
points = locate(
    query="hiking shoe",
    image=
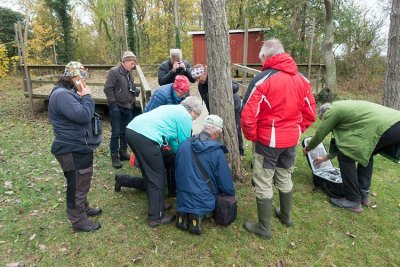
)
(346, 204)
(195, 224)
(90, 212)
(123, 155)
(168, 218)
(86, 226)
(116, 163)
(182, 220)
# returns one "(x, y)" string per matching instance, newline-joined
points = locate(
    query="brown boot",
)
(168, 218)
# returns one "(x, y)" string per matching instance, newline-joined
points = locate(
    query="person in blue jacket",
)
(165, 127)
(169, 94)
(194, 199)
(71, 111)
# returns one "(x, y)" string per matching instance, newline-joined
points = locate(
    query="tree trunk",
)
(391, 87)
(219, 75)
(329, 59)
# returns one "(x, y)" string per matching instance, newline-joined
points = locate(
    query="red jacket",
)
(279, 105)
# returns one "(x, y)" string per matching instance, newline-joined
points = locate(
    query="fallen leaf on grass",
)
(34, 213)
(106, 186)
(42, 247)
(350, 235)
(32, 237)
(9, 193)
(15, 264)
(293, 244)
(63, 249)
(374, 206)
(3, 242)
(260, 247)
(374, 194)
(137, 260)
(8, 185)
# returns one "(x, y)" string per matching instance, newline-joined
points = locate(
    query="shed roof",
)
(231, 31)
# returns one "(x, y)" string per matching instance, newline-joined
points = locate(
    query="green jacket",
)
(356, 126)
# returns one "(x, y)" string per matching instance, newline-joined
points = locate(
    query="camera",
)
(179, 70)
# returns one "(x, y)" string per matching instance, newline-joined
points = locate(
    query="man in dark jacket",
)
(169, 94)
(200, 74)
(194, 198)
(71, 110)
(277, 108)
(121, 95)
(174, 66)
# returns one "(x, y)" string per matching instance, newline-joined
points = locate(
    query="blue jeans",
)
(120, 118)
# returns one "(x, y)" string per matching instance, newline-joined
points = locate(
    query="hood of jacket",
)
(203, 144)
(283, 62)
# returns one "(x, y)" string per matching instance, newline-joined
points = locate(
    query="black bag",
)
(225, 206)
(325, 176)
(96, 124)
(225, 209)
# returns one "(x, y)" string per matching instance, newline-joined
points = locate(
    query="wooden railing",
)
(40, 75)
(317, 74)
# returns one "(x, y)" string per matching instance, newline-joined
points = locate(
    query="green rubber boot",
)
(264, 208)
(283, 213)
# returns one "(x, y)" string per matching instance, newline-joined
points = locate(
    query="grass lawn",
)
(34, 228)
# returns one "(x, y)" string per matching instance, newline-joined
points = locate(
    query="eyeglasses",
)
(84, 73)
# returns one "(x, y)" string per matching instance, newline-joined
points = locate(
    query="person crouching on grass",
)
(147, 135)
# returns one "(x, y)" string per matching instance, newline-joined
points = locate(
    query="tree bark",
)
(219, 75)
(329, 59)
(391, 87)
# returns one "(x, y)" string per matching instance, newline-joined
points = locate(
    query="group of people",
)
(277, 108)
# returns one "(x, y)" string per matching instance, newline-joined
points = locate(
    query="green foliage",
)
(4, 61)
(7, 31)
(131, 28)
(61, 8)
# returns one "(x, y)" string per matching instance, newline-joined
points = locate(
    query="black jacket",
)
(117, 90)
(166, 76)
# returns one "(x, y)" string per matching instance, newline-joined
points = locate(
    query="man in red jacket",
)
(277, 108)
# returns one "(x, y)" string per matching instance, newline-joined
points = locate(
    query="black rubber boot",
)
(123, 155)
(262, 228)
(116, 163)
(195, 224)
(123, 180)
(284, 212)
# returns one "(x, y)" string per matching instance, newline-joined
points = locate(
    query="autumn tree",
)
(219, 74)
(131, 25)
(391, 95)
(62, 9)
(7, 32)
(329, 59)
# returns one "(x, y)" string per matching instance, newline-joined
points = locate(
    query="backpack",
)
(325, 176)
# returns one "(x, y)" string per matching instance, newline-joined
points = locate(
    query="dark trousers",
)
(355, 176)
(152, 167)
(169, 163)
(78, 170)
(120, 118)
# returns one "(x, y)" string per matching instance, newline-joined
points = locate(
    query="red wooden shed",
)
(236, 42)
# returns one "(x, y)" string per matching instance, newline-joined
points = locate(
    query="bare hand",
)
(175, 66)
(319, 160)
(182, 65)
(85, 89)
(305, 151)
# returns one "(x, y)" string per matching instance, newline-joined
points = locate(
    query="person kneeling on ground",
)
(361, 130)
(147, 135)
(194, 199)
(71, 110)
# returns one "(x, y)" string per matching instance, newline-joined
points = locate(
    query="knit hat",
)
(197, 71)
(181, 84)
(74, 69)
(128, 55)
(214, 120)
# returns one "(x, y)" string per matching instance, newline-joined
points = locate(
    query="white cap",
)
(214, 120)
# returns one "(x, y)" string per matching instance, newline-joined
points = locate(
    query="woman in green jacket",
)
(361, 129)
